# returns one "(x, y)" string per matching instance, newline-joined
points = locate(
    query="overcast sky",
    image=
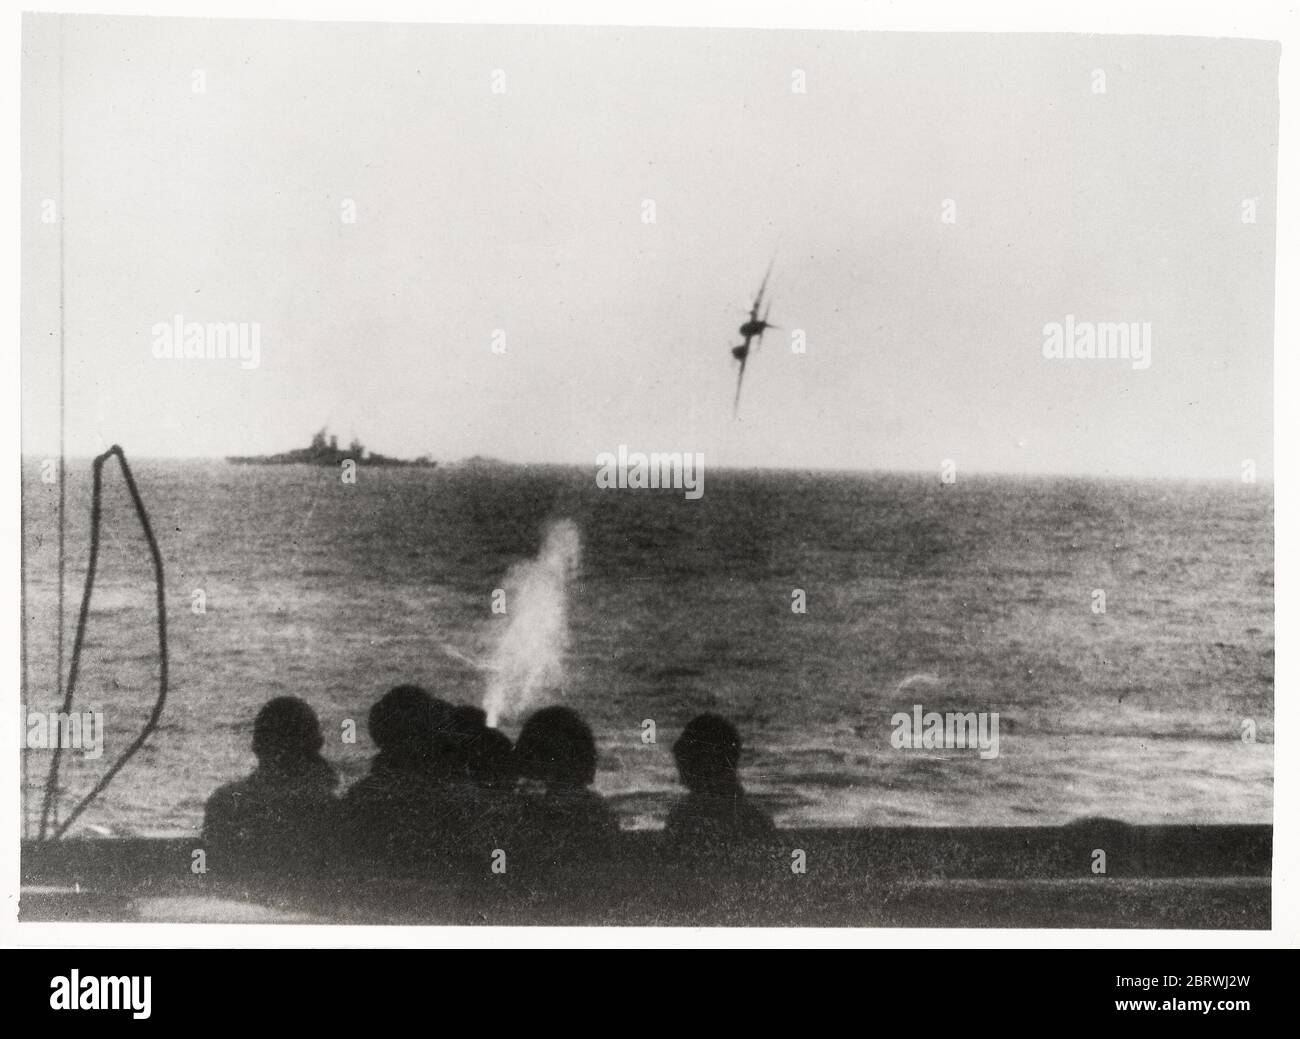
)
(524, 210)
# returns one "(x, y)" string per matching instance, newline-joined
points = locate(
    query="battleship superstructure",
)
(325, 450)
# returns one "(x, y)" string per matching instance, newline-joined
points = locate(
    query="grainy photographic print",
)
(525, 475)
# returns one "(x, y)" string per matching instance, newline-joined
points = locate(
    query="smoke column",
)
(529, 659)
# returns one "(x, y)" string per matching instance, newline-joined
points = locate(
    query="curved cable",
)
(74, 667)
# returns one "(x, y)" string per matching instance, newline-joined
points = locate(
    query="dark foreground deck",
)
(1156, 877)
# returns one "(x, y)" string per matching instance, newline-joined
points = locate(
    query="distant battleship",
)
(325, 450)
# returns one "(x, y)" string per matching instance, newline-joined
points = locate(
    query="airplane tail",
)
(767, 324)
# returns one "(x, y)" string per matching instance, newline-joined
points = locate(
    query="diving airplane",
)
(752, 329)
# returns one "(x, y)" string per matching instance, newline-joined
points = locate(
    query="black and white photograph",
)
(571, 475)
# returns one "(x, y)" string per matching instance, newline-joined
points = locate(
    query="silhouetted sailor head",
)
(465, 724)
(491, 761)
(468, 720)
(285, 732)
(556, 746)
(708, 754)
(446, 754)
(407, 724)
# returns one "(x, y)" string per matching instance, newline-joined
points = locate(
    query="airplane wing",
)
(741, 353)
(758, 301)
(735, 408)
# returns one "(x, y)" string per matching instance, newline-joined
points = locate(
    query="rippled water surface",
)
(975, 596)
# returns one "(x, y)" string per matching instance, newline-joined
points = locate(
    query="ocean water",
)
(973, 596)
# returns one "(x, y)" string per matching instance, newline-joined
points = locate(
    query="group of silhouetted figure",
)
(447, 789)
